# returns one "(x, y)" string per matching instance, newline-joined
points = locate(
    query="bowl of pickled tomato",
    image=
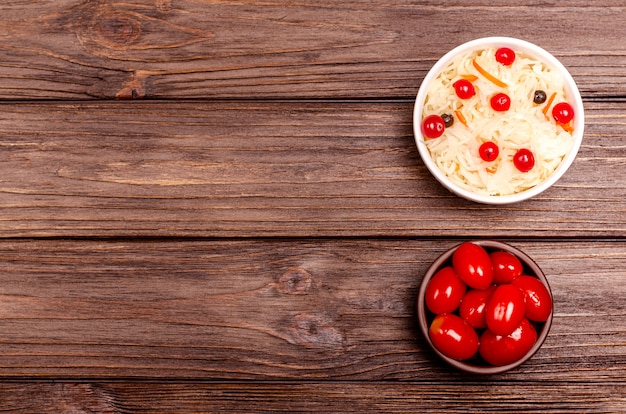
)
(498, 120)
(485, 307)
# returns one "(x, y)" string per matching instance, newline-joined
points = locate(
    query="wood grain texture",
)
(276, 310)
(74, 49)
(250, 169)
(345, 397)
(251, 236)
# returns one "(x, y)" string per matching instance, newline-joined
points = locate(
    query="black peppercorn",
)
(448, 120)
(540, 97)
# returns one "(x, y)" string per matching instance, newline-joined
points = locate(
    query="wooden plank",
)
(310, 310)
(241, 169)
(73, 49)
(345, 397)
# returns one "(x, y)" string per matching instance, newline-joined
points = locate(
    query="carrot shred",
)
(548, 104)
(569, 127)
(470, 77)
(461, 117)
(488, 75)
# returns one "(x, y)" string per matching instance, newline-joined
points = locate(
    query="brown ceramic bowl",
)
(476, 365)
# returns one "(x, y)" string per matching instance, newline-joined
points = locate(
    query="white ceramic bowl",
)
(519, 46)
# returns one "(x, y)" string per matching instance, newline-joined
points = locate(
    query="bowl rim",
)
(529, 49)
(422, 313)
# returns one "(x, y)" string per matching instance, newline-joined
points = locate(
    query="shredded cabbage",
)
(524, 125)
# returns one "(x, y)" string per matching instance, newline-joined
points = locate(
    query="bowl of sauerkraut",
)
(498, 120)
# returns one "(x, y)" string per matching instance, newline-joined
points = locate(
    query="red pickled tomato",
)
(472, 309)
(488, 151)
(444, 291)
(500, 102)
(563, 113)
(537, 297)
(453, 337)
(433, 126)
(524, 160)
(506, 349)
(471, 262)
(505, 309)
(506, 267)
(505, 56)
(464, 89)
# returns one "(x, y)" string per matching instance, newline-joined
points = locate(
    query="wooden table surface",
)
(218, 206)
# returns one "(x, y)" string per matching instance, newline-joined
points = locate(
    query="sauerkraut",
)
(525, 125)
